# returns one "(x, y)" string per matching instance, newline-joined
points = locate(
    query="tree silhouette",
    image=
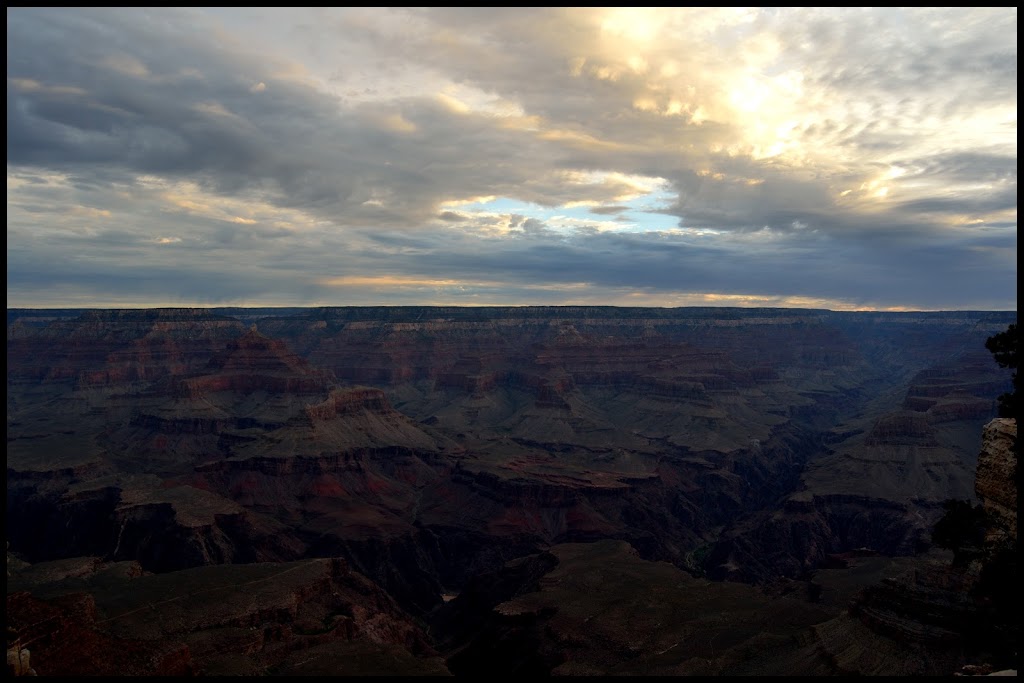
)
(962, 530)
(1004, 348)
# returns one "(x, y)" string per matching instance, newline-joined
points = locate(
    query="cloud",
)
(853, 155)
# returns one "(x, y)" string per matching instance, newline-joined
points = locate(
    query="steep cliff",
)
(996, 483)
(937, 617)
(878, 480)
(429, 444)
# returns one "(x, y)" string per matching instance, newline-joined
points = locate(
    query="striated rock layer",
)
(879, 480)
(542, 462)
(938, 616)
(428, 444)
(996, 482)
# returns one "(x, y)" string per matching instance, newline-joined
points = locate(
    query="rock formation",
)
(937, 617)
(996, 483)
(879, 481)
(598, 609)
(431, 446)
(249, 619)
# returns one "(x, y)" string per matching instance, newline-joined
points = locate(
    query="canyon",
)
(434, 490)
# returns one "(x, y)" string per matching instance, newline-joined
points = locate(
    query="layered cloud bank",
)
(835, 158)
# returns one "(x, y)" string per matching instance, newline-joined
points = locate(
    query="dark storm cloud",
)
(781, 267)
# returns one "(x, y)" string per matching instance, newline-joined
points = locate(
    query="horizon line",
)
(478, 306)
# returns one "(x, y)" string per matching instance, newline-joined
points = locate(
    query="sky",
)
(840, 158)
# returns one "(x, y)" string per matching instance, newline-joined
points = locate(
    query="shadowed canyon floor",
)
(592, 452)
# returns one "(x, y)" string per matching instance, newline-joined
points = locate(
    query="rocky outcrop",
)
(928, 607)
(996, 482)
(939, 617)
(222, 620)
(139, 518)
(349, 401)
(63, 640)
(597, 609)
(19, 661)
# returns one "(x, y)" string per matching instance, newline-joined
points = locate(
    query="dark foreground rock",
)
(92, 618)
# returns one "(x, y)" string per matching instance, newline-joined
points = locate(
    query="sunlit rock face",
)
(996, 483)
